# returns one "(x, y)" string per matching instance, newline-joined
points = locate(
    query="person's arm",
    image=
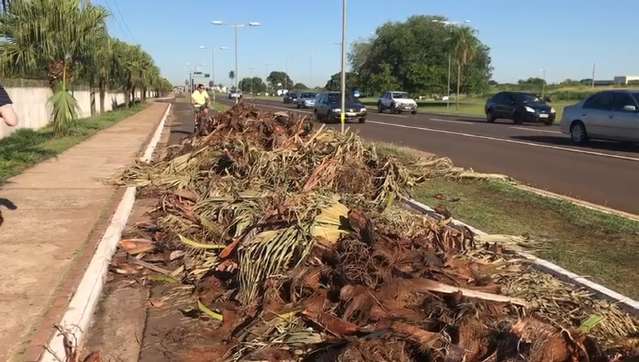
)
(7, 115)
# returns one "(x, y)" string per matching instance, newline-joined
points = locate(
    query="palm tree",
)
(51, 35)
(465, 48)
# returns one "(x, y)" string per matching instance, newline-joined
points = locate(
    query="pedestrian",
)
(7, 115)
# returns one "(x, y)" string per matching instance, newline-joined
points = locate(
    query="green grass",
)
(591, 243)
(27, 147)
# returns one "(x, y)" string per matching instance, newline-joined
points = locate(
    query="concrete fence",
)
(32, 107)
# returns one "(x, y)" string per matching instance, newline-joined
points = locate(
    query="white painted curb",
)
(80, 311)
(627, 303)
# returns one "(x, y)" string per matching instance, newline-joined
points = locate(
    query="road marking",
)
(451, 121)
(536, 130)
(532, 144)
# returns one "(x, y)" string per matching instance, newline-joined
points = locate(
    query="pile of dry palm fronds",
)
(293, 242)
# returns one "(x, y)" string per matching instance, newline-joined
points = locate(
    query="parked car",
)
(611, 115)
(290, 97)
(397, 102)
(328, 108)
(306, 100)
(519, 107)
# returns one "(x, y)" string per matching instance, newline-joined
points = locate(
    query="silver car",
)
(611, 115)
(306, 100)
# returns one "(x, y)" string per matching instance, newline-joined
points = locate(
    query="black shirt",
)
(4, 97)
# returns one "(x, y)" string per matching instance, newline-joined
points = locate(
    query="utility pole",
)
(236, 72)
(593, 74)
(343, 110)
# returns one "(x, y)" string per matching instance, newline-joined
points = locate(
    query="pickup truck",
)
(396, 102)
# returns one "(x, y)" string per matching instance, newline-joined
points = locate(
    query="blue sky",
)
(564, 37)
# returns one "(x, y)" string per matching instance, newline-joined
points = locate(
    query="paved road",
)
(604, 173)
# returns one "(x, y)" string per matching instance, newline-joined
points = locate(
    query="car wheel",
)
(380, 109)
(578, 133)
(362, 120)
(490, 116)
(413, 112)
(549, 122)
(298, 106)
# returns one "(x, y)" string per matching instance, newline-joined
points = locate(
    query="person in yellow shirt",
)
(200, 103)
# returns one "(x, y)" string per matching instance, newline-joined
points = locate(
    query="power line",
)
(117, 7)
(115, 17)
(119, 19)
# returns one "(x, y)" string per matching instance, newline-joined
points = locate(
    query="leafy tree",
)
(414, 56)
(255, 84)
(300, 86)
(335, 83)
(277, 77)
(384, 80)
(51, 36)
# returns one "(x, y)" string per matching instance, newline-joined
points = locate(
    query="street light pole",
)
(343, 86)
(236, 71)
(235, 28)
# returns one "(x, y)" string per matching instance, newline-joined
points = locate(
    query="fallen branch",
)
(427, 285)
(150, 266)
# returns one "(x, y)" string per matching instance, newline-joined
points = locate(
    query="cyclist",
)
(200, 102)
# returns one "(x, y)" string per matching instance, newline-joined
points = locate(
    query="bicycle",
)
(199, 122)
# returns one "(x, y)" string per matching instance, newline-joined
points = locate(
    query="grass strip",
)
(601, 246)
(26, 147)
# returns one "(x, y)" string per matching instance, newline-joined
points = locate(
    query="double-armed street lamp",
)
(235, 28)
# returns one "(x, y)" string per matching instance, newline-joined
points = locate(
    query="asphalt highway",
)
(604, 173)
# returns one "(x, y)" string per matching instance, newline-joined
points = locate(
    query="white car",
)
(396, 102)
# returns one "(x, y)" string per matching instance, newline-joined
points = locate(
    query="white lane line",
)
(593, 153)
(536, 130)
(454, 122)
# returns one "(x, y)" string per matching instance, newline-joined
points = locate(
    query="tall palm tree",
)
(51, 35)
(465, 49)
(96, 68)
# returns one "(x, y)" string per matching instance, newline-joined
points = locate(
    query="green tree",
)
(335, 83)
(300, 86)
(50, 36)
(277, 77)
(255, 84)
(413, 56)
(465, 47)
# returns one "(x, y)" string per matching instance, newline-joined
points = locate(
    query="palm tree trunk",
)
(102, 95)
(459, 71)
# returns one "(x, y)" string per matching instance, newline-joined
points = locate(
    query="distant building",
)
(626, 79)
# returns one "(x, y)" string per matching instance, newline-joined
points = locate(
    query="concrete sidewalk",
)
(62, 205)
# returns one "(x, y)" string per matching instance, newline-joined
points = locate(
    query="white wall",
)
(34, 111)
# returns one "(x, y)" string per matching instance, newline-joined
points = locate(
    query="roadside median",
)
(596, 244)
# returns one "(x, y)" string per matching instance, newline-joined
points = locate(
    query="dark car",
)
(328, 108)
(291, 97)
(519, 107)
